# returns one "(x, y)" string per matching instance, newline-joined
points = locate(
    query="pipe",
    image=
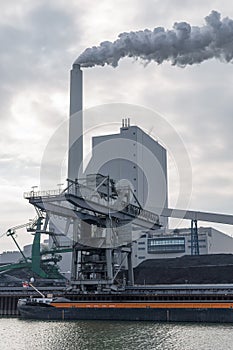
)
(75, 155)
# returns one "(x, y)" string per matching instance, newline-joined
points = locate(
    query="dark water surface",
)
(85, 335)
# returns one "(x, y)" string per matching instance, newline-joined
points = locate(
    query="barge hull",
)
(121, 314)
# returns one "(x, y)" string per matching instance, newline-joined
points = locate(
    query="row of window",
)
(166, 245)
(161, 242)
(167, 249)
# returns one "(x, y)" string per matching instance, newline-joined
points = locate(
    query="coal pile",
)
(205, 269)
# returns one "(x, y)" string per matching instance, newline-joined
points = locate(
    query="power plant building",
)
(134, 158)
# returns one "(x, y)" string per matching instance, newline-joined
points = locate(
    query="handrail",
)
(113, 204)
(37, 194)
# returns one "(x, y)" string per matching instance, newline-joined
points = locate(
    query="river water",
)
(99, 335)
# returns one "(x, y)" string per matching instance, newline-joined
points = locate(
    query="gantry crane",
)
(103, 220)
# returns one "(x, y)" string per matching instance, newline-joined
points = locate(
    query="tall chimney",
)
(75, 156)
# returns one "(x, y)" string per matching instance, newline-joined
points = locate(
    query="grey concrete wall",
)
(220, 243)
(145, 177)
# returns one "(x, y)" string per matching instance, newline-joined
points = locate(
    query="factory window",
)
(141, 257)
(166, 245)
(141, 248)
(141, 242)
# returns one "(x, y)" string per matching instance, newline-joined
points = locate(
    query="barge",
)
(175, 303)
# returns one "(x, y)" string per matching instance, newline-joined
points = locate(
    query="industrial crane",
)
(35, 263)
(30, 227)
(95, 202)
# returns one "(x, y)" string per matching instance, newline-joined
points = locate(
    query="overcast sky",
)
(39, 42)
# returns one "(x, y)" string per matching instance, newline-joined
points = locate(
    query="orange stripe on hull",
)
(157, 305)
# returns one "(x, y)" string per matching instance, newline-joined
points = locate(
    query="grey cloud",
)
(27, 167)
(50, 28)
(35, 56)
(31, 50)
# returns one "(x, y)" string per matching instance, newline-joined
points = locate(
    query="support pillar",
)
(109, 264)
(130, 269)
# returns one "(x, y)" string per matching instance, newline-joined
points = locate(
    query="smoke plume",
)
(183, 45)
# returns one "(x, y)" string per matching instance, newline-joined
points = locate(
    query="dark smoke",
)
(183, 45)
